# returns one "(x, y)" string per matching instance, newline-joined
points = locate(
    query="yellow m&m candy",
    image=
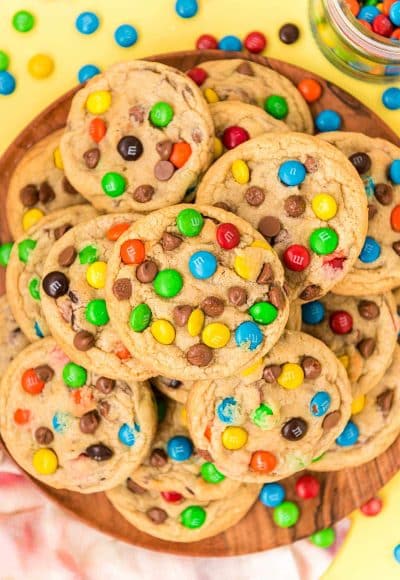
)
(45, 461)
(324, 206)
(358, 405)
(98, 102)
(291, 377)
(234, 438)
(58, 162)
(344, 359)
(163, 331)
(40, 66)
(261, 244)
(96, 274)
(210, 96)
(216, 335)
(31, 218)
(240, 171)
(195, 322)
(218, 148)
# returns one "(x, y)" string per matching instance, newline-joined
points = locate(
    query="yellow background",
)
(367, 553)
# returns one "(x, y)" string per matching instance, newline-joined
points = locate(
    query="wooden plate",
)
(341, 492)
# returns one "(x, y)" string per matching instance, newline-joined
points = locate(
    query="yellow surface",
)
(367, 553)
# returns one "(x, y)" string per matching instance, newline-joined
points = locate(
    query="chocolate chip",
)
(158, 458)
(89, 422)
(212, 306)
(170, 242)
(157, 515)
(312, 368)
(266, 276)
(163, 170)
(271, 373)
(361, 161)
(143, 193)
(295, 205)
(55, 284)
(61, 230)
(181, 314)
(46, 192)
(104, 408)
(331, 420)
(366, 347)
(135, 487)
(99, 452)
(84, 340)
(396, 247)
(67, 257)
(146, 271)
(223, 205)
(237, 295)
(164, 149)
(310, 292)
(122, 289)
(276, 297)
(294, 429)
(105, 385)
(138, 113)
(199, 355)
(44, 436)
(130, 148)
(385, 401)
(384, 193)
(74, 298)
(244, 68)
(91, 157)
(269, 226)
(68, 187)
(289, 33)
(254, 196)
(44, 372)
(205, 454)
(311, 164)
(29, 195)
(368, 309)
(372, 211)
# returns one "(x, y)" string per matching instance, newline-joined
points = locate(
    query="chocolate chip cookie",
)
(12, 339)
(173, 388)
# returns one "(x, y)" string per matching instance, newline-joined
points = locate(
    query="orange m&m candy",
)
(132, 252)
(396, 34)
(97, 129)
(116, 231)
(22, 416)
(31, 383)
(387, 4)
(310, 89)
(354, 6)
(123, 353)
(262, 461)
(207, 432)
(180, 154)
(395, 218)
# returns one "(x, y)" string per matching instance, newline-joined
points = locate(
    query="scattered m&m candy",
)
(74, 376)
(372, 507)
(328, 120)
(45, 461)
(126, 35)
(40, 66)
(186, 8)
(396, 553)
(180, 448)
(193, 517)
(349, 435)
(229, 43)
(371, 251)
(7, 83)
(272, 494)
(323, 538)
(313, 312)
(127, 434)
(255, 42)
(234, 136)
(206, 42)
(341, 322)
(87, 22)
(276, 106)
(161, 114)
(23, 21)
(307, 487)
(286, 514)
(96, 312)
(210, 473)
(87, 72)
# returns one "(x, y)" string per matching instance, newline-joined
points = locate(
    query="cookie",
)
(377, 268)
(242, 80)
(138, 137)
(70, 428)
(304, 197)
(173, 464)
(73, 298)
(373, 427)
(182, 521)
(195, 290)
(272, 420)
(38, 186)
(25, 268)
(12, 339)
(173, 388)
(361, 331)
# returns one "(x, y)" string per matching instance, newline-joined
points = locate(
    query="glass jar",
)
(350, 46)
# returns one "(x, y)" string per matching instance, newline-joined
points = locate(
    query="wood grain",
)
(341, 492)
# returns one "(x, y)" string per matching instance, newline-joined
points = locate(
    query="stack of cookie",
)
(183, 354)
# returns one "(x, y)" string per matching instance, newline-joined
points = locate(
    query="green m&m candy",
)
(324, 241)
(161, 114)
(23, 21)
(96, 312)
(113, 184)
(168, 283)
(276, 106)
(140, 317)
(323, 538)
(193, 517)
(74, 376)
(210, 473)
(261, 416)
(5, 251)
(34, 288)
(190, 222)
(263, 312)
(88, 255)
(286, 514)
(4, 60)
(25, 248)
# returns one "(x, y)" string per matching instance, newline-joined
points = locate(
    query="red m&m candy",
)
(206, 42)
(341, 322)
(307, 487)
(234, 136)
(255, 42)
(132, 252)
(228, 236)
(171, 496)
(198, 75)
(31, 383)
(296, 258)
(382, 25)
(372, 507)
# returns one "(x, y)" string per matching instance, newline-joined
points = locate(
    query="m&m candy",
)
(190, 222)
(31, 218)
(25, 248)
(206, 42)
(140, 317)
(34, 288)
(7, 83)
(286, 514)
(74, 376)
(234, 438)
(198, 75)
(320, 403)
(31, 382)
(180, 448)
(313, 312)
(272, 494)
(394, 171)
(391, 98)
(113, 184)
(396, 553)
(263, 312)
(228, 236)
(324, 241)
(227, 410)
(186, 8)
(394, 13)
(372, 507)
(341, 322)
(23, 21)
(195, 322)
(45, 461)
(126, 35)
(371, 251)
(40, 66)
(248, 335)
(328, 120)
(132, 252)
(230, 42)
(4, 60)
(292, 173)
(324, 206)
(240, 171)
(88, 255)
(96, 312)
(203, 265)
(349, 435)
(193, 517)
(98, 102)
(216, 335)
(261, 416)
(255, 42)
(307, 487)
(276, 106)
(368, 13)
(87, 22)
(87, 72)
(323, 538)
(127, 435)
(161, 114)
(262, 462)
(163, 332)
(296, 258)
(171, 496)
(291, 376)
(168, 283)
(310, 89)
(96, 274)
(22, 416)
(5, 251)
(210, 473)
(234, 136)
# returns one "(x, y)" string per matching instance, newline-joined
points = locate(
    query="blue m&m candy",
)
(125, 35)
(186, 8)
(248, 335)
(126, 434)
(272, 494)
(371, 251)
(394, 13)
(202, 265)
(179, 448)
(391, 98)
(349, 435)
(87, 71)
(87, 22)
(230, 42)
(7, 83)
(320, 403)
(394, 170)
(227, 409)
(396, 553)
(328, 120)
(61, 421)
(368, 13)
(292, 173)
(313, 312)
